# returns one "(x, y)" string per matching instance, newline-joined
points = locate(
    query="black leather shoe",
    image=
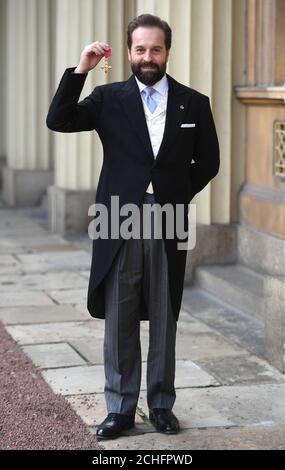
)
(113, 425)
(164, 420)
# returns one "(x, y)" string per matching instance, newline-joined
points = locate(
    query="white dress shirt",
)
(156, 120)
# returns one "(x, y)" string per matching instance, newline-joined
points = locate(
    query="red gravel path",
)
(32, 416)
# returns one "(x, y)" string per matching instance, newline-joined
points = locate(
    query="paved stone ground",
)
(228, 396)
(33, 417)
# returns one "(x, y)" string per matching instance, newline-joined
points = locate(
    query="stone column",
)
(78, 156)
(201, 57)
(262, 199)
(275, 322)
(205, 43)
(28, 171)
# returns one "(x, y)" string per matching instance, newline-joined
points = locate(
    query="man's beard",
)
(149, 77)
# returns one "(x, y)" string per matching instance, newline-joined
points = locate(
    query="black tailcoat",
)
(116, 113)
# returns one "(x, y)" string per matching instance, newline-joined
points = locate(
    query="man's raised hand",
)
(91, 56)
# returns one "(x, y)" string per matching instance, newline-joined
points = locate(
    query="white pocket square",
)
(192, 124)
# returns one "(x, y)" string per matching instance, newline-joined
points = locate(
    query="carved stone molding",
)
(261, 94)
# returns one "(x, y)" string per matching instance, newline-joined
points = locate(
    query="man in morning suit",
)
(160, 147)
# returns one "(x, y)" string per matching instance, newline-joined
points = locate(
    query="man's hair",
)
(149, 21)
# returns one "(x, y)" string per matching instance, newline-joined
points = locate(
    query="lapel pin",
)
(181, 106)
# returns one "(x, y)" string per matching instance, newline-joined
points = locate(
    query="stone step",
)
(236, 285)
(232, 323)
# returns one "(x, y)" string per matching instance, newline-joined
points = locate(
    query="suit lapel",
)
(130, 99)
(177, 103)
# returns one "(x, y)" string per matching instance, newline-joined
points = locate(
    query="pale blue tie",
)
(150, 101)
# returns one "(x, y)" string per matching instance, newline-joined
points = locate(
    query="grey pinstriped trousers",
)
(139, 269)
